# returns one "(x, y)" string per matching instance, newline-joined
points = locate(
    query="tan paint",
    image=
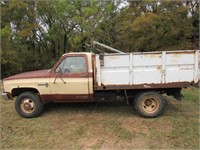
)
(72, 86)
(91, 89)
(27, 83)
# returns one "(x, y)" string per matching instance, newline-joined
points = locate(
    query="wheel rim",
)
(150, 104)
(27, 106)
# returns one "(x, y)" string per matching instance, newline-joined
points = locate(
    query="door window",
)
(72, 65)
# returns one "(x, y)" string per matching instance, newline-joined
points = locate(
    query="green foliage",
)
(164, 26)
(146, 24)
(10, 60)
(30, 30)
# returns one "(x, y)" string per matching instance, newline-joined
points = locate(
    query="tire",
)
(149, 104)
(28, 105)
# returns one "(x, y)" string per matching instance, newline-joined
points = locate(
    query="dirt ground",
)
(103, 126)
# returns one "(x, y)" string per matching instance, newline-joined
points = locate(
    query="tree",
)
(150, 26)
(30, 30)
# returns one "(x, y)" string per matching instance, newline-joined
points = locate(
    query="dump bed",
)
(164, 69)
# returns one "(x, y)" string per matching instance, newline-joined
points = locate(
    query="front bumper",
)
(6, 96)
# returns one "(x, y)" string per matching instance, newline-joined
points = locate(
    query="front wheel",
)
(28, 105)
(149, 104)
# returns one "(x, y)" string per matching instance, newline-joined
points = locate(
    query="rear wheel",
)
(28, 105)
(149, 104)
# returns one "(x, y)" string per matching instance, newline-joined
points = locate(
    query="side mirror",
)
(58, 70)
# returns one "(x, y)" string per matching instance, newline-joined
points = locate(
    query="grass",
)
(103, 126)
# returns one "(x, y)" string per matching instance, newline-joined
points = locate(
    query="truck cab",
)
(71, 79)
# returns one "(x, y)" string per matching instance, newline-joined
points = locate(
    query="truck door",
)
(70, 79)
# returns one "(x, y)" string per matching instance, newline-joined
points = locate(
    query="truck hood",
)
(31, 74)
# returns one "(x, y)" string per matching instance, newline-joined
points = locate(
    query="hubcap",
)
(27, 106)
(150, 105)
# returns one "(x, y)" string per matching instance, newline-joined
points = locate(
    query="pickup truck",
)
(140, 77)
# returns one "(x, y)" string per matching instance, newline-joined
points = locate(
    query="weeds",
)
(116, 128)
(103, 126)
